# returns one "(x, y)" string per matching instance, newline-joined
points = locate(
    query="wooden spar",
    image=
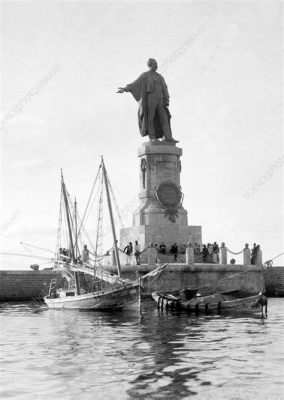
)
(27, 255)
(36, 247)
(111, 219)
(70, 231)
(140, 299)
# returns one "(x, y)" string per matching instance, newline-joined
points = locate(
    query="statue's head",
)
(152, 64)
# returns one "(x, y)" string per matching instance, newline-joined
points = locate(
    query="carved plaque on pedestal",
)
(169, 197)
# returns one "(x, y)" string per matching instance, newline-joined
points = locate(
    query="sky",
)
(61, 64)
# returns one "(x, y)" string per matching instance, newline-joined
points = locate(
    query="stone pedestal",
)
(247, 256)
(160, 216)
(189, 255)
(223, 254)
(152, 255)
(259, 258)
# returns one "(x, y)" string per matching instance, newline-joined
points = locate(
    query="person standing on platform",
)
(85, 254)
(174, 251)
(163, 248)
(258, 257)
(210, 253)
(253, 254)
(137, 252)
(128, 250)
(204, 254)
(215, 255)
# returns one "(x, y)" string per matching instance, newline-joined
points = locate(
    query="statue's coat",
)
(140, 89)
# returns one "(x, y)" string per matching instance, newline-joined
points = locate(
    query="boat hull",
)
(102, 300)
(214, 304)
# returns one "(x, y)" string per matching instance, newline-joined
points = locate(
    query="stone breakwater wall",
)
(29, 285)
(274, 279)
(24, 285)
(176, 276)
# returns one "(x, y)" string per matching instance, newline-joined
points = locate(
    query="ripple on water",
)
(69, 355)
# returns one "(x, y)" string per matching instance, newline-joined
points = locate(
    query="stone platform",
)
(34, 285)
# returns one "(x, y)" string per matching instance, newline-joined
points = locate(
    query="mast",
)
(100, 219)
(76, 229)
(70, 231)
(111, 218)
(58, 239)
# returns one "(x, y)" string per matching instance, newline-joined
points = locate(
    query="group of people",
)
(129, 250)
(64, 252)
(173, 249)
(135, 250)
(255, 254)
(162, 249)
(209, 252)
(83, 258)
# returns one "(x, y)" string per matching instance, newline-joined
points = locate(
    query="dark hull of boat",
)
(279, 292)
(214, 304)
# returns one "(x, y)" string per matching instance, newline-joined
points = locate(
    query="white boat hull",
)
(101, 300)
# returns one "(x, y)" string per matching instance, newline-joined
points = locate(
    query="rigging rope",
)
(277, 256)
(269, 263)
(116, 204)
(79, 220)
(88, 202)
(65, 230)
(91, 206)
(58, 239)
(35, 247)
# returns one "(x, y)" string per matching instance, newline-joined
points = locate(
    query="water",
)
(54, 354)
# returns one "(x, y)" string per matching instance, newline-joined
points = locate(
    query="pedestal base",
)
(160, 216)
(168, 235)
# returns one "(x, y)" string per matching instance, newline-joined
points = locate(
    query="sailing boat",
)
(111, 291)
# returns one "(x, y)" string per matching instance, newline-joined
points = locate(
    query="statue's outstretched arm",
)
(130, 86)
(121, 90)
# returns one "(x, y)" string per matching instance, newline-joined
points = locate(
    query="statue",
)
(151, 92)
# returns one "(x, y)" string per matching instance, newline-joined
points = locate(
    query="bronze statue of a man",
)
(151, 92)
